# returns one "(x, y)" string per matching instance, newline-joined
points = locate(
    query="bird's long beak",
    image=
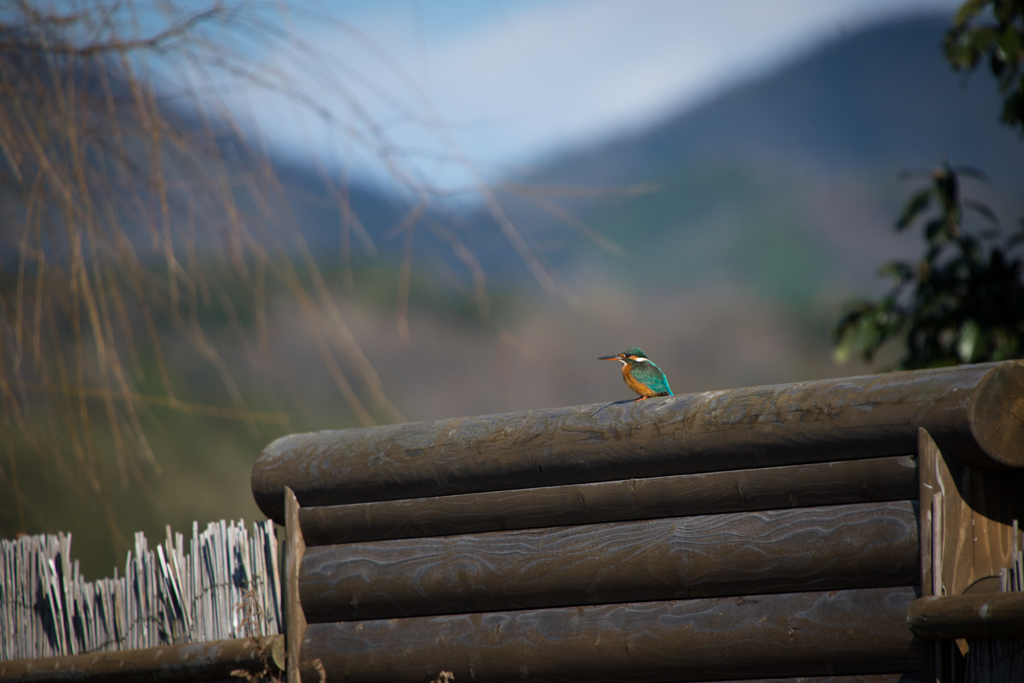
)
(608, 358)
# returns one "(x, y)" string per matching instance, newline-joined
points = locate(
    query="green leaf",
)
(861, 336)
(958, 54)
(967, 341)
(1009, 44)
(843, 351)
(968, 10)
(935, 229)
(900, 271)
(1013, 109)
(1007, 346)
(917, 203)
(981, 39)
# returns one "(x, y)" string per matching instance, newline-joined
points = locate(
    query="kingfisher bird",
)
(641, 374)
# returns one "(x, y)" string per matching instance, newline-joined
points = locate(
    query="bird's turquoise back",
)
(651, 376)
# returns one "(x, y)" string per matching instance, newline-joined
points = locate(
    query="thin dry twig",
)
(140, 241)
(93, 168)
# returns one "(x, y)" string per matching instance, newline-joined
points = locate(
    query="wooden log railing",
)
(768, 488)
(705, 639)
(782, 532)
(974, 413)
(850, 530)
(677, 558)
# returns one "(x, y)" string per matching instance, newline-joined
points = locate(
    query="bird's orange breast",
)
(642, 389)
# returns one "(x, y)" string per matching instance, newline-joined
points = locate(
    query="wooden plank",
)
(973, 412)
(996, 501)
(210, 661)
(971, 521)
(295, 620)
(826, 548)
(831, 483)
(796, 634)
(927, 453)
(968, 616)
(950, 565)
(968, 514)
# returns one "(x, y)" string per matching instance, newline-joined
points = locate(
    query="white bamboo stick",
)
(166, 595)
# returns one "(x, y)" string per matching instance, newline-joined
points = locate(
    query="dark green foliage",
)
(992, 30)
(963, 302)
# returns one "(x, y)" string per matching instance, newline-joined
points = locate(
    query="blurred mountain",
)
(787, 185)
(884, 96)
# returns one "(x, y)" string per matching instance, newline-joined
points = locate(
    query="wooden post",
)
(966, 534)
(295, 548)
(972, 513)
(547, 544)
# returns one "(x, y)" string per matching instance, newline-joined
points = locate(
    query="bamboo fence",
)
(226, 586)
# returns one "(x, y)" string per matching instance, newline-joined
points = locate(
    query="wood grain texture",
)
(968, 616)
(295, 620)
(825, 548)
(801, 634)
(971, 521)
(997, 417)
(995, 500)
(966, 538)
(210, 661)
(832, 483)
(820, 421)
(927, 452)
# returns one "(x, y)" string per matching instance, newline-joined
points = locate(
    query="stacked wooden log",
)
(763, 532)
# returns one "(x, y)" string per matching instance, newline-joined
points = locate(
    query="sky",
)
(448, 92)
